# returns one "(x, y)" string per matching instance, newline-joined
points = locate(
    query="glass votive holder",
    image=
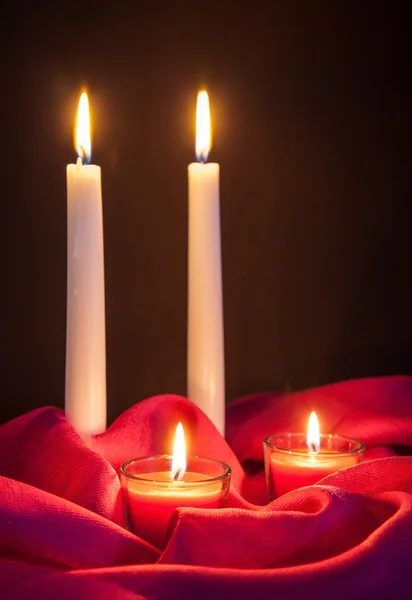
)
(150, 495)
(289, 464)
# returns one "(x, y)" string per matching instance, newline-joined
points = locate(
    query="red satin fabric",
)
(61, 521)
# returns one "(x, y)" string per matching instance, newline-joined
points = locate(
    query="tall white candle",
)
(205, 344)
(85, 401)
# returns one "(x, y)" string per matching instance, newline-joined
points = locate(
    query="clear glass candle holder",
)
(150, 495)
(289, 464)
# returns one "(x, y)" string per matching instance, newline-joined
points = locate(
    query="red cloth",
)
(61, 522)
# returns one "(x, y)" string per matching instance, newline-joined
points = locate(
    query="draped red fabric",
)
(350, 536)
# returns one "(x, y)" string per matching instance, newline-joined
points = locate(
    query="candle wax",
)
(85, 401)
(290, 471)
(152, 504)
(205, 339)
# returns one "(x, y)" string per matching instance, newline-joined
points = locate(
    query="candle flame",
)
(83, 142)
(203, 128)
(313, 437)
(179, 454)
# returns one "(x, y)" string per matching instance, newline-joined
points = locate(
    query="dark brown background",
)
(312, 127)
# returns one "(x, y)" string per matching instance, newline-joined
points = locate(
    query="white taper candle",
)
(85, 400)
(205, 342)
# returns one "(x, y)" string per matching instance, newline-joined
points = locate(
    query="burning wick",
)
(178, 475)
(313, 448)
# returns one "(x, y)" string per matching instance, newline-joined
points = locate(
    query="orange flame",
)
(83, 141)
(313, 436)
(179, 454)
(203, 127)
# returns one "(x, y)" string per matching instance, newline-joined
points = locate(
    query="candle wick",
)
(177, 475)
(312, 448)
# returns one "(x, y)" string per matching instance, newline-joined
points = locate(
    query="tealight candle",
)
(294, 460)
(153, 487)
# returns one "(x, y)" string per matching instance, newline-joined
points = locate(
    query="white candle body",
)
(85, 402)
(205, 338)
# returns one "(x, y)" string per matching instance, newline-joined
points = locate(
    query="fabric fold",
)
(348, 536)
